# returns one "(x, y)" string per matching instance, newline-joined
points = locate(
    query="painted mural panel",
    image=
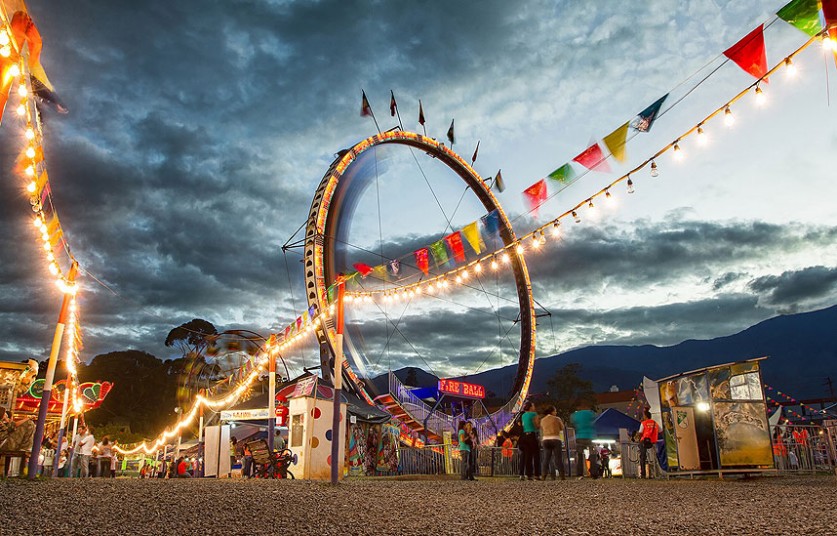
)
(742, 434)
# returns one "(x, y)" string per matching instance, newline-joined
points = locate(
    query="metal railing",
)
(430, 460)
(803, 449)
(437, 422)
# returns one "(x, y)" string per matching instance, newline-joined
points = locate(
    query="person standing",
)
(475, 443)
(604, 455)
(530, 462)
(585, 431)
(104, 459)
(247, 467)
(83, 445)
(464, 439)
(552, 430)
(648, 435)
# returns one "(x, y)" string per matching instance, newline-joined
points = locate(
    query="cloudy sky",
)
(199, 130)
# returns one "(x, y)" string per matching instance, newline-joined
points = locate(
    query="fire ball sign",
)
(461, 389)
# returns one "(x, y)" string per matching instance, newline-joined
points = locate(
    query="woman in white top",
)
(105, 454)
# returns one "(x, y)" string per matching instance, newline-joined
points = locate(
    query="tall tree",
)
(193, 337)
(570, 391)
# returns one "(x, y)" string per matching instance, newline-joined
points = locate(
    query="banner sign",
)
(461, 389)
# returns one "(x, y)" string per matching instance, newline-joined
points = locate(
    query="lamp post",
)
(177, 411)
(271, 392)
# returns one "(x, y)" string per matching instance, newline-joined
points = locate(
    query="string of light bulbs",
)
(534, 240)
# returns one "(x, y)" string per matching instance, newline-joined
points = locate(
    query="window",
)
(746, 386)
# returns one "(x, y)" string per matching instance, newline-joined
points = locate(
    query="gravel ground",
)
(421, 507)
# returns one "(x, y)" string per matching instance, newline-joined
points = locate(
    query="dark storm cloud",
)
(793, 287)
(198, 131)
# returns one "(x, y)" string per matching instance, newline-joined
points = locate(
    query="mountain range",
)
(801, 351)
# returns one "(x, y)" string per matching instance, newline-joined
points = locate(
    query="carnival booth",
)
(715, 420)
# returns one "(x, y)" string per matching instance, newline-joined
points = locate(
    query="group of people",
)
(550, 427)
(468, 444)
(91, 459)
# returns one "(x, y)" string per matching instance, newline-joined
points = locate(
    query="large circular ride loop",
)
(322, 235)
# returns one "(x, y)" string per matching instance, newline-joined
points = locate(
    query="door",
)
(686, 436)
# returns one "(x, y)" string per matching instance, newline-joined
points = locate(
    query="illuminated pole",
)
(50, 374)
(67, 387)
(200, 436)
(271, 392)
(178, 410)
(336, 464)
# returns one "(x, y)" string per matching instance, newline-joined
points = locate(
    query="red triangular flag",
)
(364, 269)
(421, 114)
(454, 242)
(749, 53)
(593, 158)
(392, 104)
(535, 195)
(422, 260)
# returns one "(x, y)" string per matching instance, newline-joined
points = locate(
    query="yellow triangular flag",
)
(380, 272)
(615, 142)
(472, 235)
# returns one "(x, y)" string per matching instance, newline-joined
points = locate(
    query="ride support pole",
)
(50, 375)
(271, 395)
(200, 437)
(336, 463)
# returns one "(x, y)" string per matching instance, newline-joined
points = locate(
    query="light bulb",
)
(31, 187)
(590, 203)
(5, 51)
(654, 171)
(478, 268)
(790, 68)
(536, 242)
(828, 43)
(53, 269)
(37, 222)
(630, 186)
(30, 134)
(729, 119)
(444, 283)
(465, 275)
(14, 71)
(576, 217)
(30, 152)
(701, 136)
(494, 265)
(30, 171)
(21, 110)
(505, 258)
(4, 37)
(458, 279)
(556, 229)
(50, 256)
(761, 100)
(678, 152)
(44, 234)
(22, 91)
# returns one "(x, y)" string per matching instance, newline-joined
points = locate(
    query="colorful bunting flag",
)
(422, 261)
(311, 311)
(298, 324)
(472, 235)
(394, 267)
(564, 174)
(491, 223)
(802, 14)
(380, 272)
(498, 181)
(47, 96)
(645, 119)
(439, 252)
(365, 108)
(593, 159)
(451, 137)
(615, 142)
(364, 269)
(331, 293)
(454, 242)
(749, 53)
(535, 195)
(392, 105)
(421, 114)
(476, 150)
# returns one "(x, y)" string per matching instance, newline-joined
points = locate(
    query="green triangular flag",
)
(440, 253)
(564, 174)
(802, 14)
